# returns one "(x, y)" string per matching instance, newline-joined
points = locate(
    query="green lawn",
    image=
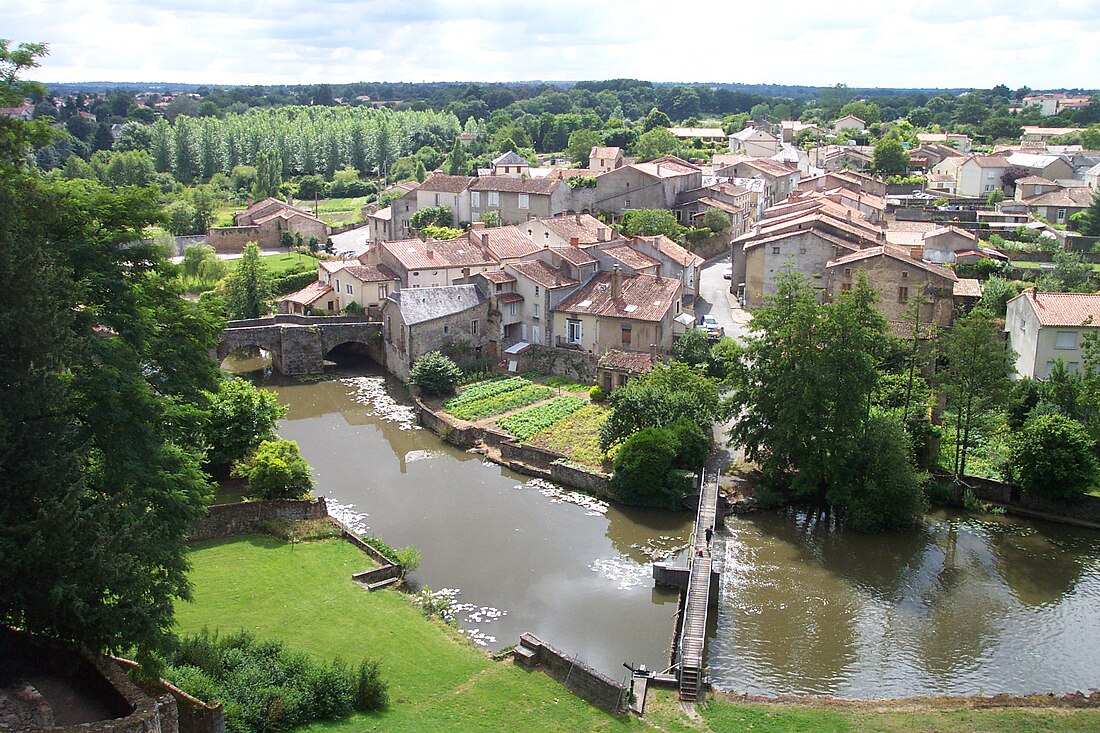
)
(303, 594)
(338, 211)
(279, 264)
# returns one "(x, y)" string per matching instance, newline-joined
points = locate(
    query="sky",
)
(861, 43)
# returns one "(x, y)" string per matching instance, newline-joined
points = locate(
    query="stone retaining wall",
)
(577, 677)
(195, 716)
(1084, 510)
(225, 520)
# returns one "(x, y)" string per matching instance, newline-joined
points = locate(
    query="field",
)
(577, 437)
(493, 397)
(280, 264)
(526, 423)
(335, 212)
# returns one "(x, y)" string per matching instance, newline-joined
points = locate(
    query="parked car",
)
(710, 325)
(728, 273)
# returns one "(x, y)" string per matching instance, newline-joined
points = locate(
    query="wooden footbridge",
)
(700, 587)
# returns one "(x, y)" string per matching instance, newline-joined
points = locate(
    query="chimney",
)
(557, 276)
(601, 234)
(477, 225)
(658, 169)
(636, 240)
(616, 283)
(578, 218)
(431, 253)
(653, 352)
(574, 241)
(848, 215)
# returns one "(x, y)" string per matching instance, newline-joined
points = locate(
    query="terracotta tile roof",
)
(681, 255)
(385, 214)
(498, 276)
(1064, 309)
(542, 274)
(416, 254)
(371, 273)
(1035, 181)
(831, 239)
(668, 166)
(446, 184)
(991, 161)
(895, 253)
(584, 227)
(286, 214)
(631, 257)
(721, 205)
(913, 226)
(331, 266)
(542, 186)
(509, 297)
(308, 295)
(633, 362)
(1077, 197)
(641, 297)
(967, 287)
(506, 243)
(941, 230)
(605, 153)
(574, 255)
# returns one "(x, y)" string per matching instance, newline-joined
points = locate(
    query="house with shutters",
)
(435, 262)
(561, 231)
(657, 184)
(618, 311)
(754, 142)
(517, 200)
(340, 283)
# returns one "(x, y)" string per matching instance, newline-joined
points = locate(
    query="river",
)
(962, 605)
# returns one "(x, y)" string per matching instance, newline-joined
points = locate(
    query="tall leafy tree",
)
(100, 364)
(249, 288)
(456, 161)
(976, 375)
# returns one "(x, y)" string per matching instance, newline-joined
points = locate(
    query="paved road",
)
(354, 241)
(716, 300)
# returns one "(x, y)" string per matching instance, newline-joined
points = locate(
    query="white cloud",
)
(861, 43)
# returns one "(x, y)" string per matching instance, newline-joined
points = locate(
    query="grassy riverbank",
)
(303, 594)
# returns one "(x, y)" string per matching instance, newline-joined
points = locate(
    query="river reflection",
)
(577, 576)
(958, 606)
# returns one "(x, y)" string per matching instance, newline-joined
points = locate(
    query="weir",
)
(699, 582)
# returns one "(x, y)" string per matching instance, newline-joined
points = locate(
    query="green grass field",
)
(279, 264)
(303, 595)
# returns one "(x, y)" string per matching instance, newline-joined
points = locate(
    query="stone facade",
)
(298, 344)
(405, 343)
(231, 240)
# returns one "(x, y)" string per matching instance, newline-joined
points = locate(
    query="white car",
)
(710, 325)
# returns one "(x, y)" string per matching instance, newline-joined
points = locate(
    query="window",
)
(473, 327)
(573, 331)
(531, 233)
(437, 199)
(512, 309)
(524, 201)
(494, 198)
(337, 288)
(903, 295)
(1065, 340)
(845, 286)
(801, 250)
(536, 291)
(1061, 214)
(904, 274)
(347, 288)
(383, 291)
(847, 272)
(416, 274)
(475, 198)
(535, 313)
(446, 329)
(626, 334)
(1074, 367)
(404, 223)
(775, 250)
(626, 203)
(499, 287)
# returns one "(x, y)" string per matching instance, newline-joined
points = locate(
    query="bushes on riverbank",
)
(263, 686)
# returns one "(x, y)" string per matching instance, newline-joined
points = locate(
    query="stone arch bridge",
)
(299, 344)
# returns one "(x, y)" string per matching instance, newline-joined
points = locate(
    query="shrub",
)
(1052, 457)
(409, 558)
(292, 282)
(240, 417)
(642, 466)
(435, 374)
(370, 688)
(581, 181)
(278, 471)
(692, 446)
(596, 394)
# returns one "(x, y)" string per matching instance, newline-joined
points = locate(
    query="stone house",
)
(657, 184)
(940, 245)
(617, 311)
(754, 142)
(420, 264)
(975, 176)
(779, 179)
(264, 223)
(383, 227)
(929, 155)
(415, 322)
(626, 258)
(1045, 327)
(955, 141)
(675, 262)
(842, 157)
(1051, 167)
(789, 129)
(510, 164)
(339, 283)
(442, 190)
(518, 199)
(1037, 134)
(739, 204)
(900, 280)
(542, 287)
(1059, 205)
(850, 122)
(617, 367)
(806, 251)
(601, 159)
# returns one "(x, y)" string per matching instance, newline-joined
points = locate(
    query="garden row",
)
(527, 422)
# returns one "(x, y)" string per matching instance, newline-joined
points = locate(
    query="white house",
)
(850, 122)
(1045, 327)
(754, 142)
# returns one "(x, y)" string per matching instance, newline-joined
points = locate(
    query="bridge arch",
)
(299, 344)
